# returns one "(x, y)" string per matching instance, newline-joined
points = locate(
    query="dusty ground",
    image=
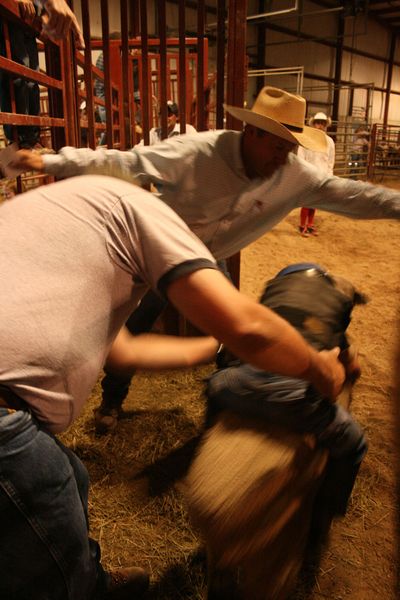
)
(136, 508)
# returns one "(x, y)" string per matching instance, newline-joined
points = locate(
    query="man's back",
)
(77, 257)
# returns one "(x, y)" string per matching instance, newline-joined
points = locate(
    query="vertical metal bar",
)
(73, 65)
(125, 104)
(11, 91)
(261, 33)
(392, 51)
(10, 84)
(145, 91)
(182, 68)
(134, 16)
(107, 72)
(162, 34)
(368, 105)
(372, 152)
(351, 100)
(338, 70)
(220, 84)
(206, 85)
(134, 74)
(200, 66)
(56, 107)
(88, 74)
(236, 57)
(68, 71)
(235, 85)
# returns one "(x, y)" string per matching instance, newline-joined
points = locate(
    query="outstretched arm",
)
(163, 163)
(70, 162)
(355, 199)
(252, 332)
(151, 351)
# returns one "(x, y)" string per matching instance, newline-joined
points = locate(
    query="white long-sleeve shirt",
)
(324, 161)
(202, 177)
(155, 134)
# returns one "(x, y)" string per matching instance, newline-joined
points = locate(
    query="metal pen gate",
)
(167, 67)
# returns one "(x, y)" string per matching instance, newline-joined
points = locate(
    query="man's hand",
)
(27, 10)
(61, 20)
(27, 161)
(327, 374)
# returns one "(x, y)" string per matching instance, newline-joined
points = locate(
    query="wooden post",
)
(236, 67)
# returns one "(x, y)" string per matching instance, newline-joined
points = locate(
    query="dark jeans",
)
(45, 550)
(27, 96)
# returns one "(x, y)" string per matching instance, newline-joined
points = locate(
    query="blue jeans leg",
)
(44, 546)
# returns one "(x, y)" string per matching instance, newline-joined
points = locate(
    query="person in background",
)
(323, 161)
(360, 148)
(174, 128)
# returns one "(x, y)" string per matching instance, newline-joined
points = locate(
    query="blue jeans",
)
(45, 550)
(292, 404)
(289, 403)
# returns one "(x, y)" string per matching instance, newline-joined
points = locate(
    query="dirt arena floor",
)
(136, 506)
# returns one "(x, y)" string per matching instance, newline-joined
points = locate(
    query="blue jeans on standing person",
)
(27, 95)
(45, 550)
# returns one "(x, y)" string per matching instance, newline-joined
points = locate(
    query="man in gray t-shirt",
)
(76, 258)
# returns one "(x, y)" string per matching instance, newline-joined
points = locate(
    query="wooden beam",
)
(236, 76)
(338, 67)
(389, 77)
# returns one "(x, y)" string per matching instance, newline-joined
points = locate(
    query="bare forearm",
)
(252, 332)
(150, 351)
(272, 344)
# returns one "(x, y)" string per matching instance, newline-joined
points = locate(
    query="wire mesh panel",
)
(352, 146)
(385, 152)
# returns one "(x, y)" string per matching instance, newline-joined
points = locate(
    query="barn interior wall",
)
(367, 35)
(319, 59)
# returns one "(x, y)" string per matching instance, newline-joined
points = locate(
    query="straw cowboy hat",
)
(282, 114)
(320, 116)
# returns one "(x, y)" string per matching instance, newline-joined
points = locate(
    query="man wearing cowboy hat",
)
(324, 161)
(230, 187)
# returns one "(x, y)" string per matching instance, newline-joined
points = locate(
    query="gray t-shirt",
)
(76, 258)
